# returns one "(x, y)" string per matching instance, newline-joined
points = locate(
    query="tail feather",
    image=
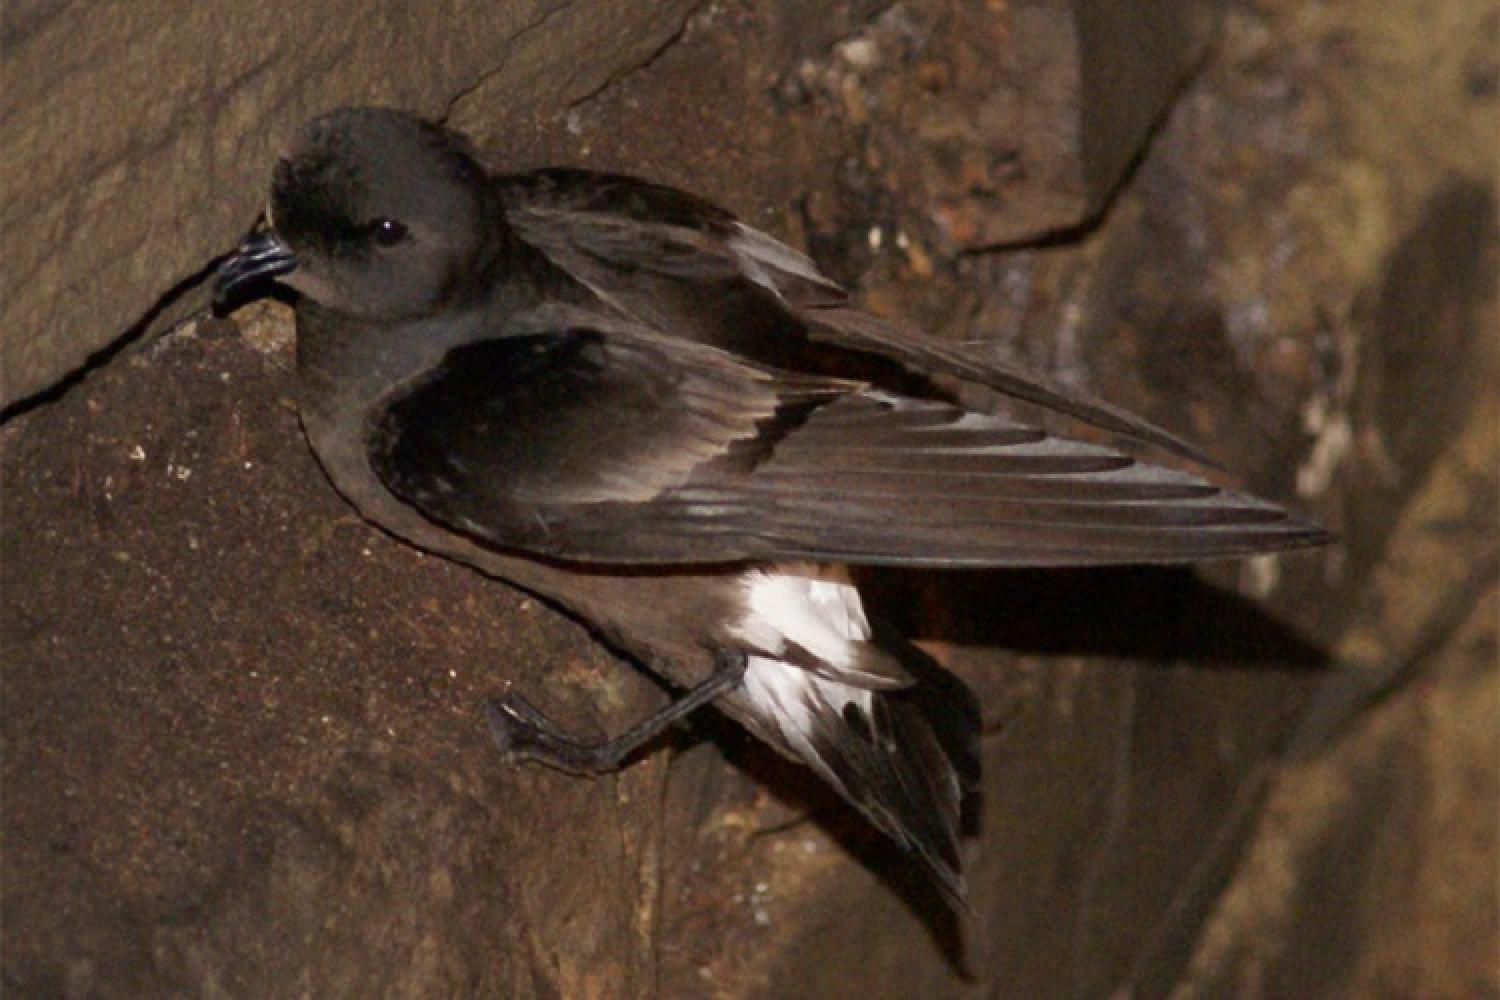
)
(904, 758)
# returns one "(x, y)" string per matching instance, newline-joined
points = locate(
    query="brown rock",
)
(241, 752)
(1009, 122)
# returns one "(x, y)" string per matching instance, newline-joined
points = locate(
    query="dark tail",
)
(906, 758)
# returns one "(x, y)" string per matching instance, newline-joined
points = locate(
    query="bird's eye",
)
(387, 232)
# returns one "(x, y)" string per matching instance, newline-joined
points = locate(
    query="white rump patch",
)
(815, 710)
(813, 607)
(789, 698)
(817, 609)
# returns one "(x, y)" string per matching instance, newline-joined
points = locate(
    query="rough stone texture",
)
(1024, 121)
(249, 758)
(246, 759)
(1372, 870)
(135, 136)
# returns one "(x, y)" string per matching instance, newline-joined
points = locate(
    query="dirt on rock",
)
(242, 747)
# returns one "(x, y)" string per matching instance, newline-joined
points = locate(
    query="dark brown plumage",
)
(617, 396)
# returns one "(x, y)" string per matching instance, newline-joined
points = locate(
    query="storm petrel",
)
(619, 397)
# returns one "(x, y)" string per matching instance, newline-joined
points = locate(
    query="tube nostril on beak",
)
(261, 255)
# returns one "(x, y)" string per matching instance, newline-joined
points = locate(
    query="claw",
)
(517, 736)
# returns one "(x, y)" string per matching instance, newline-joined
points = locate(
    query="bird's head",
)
(372, 213)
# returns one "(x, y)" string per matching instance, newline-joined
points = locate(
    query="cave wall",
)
(241, 747)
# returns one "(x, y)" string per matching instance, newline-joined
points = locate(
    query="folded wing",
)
(606, 228)
(585, 438)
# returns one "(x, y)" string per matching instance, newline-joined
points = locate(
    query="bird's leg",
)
(525, 734)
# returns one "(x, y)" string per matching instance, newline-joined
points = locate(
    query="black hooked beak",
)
(261, 254)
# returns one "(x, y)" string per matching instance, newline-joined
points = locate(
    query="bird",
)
(617, 396)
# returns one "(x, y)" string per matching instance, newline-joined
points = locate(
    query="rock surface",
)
(241, 752)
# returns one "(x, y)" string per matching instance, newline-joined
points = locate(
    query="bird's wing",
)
(871, 477)
(590, 222)
(588, 438)
(566, 419)
(586, 220)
